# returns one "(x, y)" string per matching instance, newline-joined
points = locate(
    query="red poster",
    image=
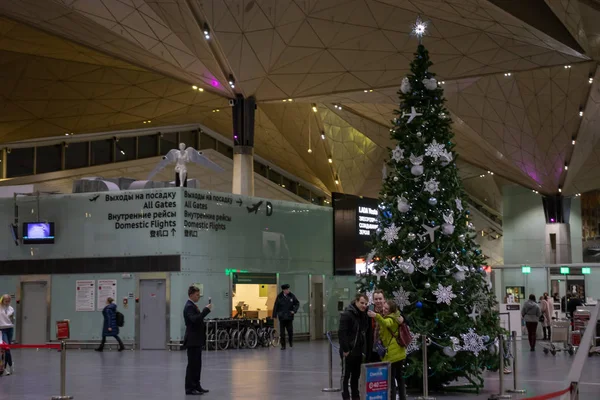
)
(62, 330)
(377, 386)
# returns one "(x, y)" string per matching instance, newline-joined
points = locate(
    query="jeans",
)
(531, 333)
(7, 335)
(351, 373)
(398, 376)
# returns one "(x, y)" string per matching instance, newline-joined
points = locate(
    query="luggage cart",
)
(559, 338)
(580, 321)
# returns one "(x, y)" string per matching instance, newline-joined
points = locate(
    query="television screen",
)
(38, 232)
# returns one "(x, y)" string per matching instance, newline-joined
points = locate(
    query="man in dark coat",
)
(286, 305)
(194, 340)
(352, 333)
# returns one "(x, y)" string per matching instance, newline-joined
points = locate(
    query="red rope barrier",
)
(550, 395)
(29, 346)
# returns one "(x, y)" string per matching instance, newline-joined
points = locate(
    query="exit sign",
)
(526, 269)
(564, 270)
(586, 271)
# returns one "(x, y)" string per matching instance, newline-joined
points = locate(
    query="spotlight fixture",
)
(231, 81)
(309, 150)
(290, 100)
(314, 108)
(337, 106)
(284, 100)
(443, 82)
(122, 152)
(330, 160)
(559, 189)
(366, 91)
(337, 182)
(206, 32)
(323, 135)
(591, 79)
(573, 140)
(507, 74)
(566, 167)
(567, 67)
(581, 111)
(66, 134)
(195, 87)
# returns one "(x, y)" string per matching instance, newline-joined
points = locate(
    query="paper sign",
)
(85, 295)
(62, 330)
(106, 288)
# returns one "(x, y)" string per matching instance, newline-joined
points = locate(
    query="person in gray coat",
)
(531, 313)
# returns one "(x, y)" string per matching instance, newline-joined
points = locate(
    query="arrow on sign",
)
(240, 202)
(173, 232)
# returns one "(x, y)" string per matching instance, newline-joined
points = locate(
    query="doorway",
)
(153, 314)
(317, 331)
(34, 313)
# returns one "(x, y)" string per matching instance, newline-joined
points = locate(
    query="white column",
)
(558, 252)
(243, 170)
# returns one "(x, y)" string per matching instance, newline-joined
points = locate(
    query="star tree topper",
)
(419, 29)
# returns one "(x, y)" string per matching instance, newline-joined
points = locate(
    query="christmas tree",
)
(424, 255)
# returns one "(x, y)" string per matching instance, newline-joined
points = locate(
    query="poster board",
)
(85, 295)
(375, 381)
(106, 288)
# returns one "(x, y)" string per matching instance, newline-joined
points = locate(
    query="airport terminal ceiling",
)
(521, 80)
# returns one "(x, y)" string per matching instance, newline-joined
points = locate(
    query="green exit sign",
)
(586, 271)
(564, 270)
(526, 269)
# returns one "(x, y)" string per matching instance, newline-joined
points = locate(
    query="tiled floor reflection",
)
(271, 374)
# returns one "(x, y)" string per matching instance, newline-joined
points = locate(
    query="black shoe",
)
(282, 347)
(532, 349)
(193, 393)
(98, 349)
(121, 348)
(291, 345)
(202, 390)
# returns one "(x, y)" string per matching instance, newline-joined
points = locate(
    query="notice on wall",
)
(150, 213)
(85, 295)
(197, 215)
(106, 288)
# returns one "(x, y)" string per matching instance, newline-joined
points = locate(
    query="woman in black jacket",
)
(352, 335)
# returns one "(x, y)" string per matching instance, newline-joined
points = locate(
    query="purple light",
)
(551, 219)
(214, 82)
(235, 137)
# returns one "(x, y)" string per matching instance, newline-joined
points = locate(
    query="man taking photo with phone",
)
(194, 340)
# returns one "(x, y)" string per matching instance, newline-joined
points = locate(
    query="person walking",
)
(7, 326)
(531, 314)
(286, 306)
(110, 326)
(373, 332)
(193, 341)
(389, 322)
(546, 317)
(352, 337)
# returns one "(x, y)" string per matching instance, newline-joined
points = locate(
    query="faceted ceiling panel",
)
(514, 92)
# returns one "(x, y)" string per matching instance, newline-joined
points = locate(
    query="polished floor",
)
(271, 374)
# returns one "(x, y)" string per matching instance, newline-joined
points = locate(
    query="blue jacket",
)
(110, 320)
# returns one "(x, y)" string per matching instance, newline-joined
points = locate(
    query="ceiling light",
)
(145, 122)
(591, 80)
(309, 151)
(507, 74)
(195, 87)
(573, 140)
(122, 152)
(559, 189)
(282, 185)
(566, 167)
(443, 82)
(231, 81)
(290, 100)
(330, 160)
(581, 111)
(567, 66)
(314, 108)
(323, 136)
(66, 134)
(337, 182)
(370, 90)
(284, 100)
(206, 32)
(200, 90)
(366, 91)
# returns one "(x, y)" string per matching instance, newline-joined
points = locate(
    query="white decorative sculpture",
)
(181, 157)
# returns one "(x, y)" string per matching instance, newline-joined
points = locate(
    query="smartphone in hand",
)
(210, 300)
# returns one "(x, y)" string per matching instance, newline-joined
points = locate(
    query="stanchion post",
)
(501, 395)
(515, 365)
(63, 373)
(425, 395)
(330, 388)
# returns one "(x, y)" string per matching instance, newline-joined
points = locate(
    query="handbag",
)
(404, 337)
(380, 349)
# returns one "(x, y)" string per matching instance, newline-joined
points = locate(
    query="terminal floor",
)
(270, 374)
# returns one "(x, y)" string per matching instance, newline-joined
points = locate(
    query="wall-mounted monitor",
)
(38, 232)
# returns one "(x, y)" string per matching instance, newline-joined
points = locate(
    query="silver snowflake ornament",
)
(449, 218)
(426, 262)
(432, 186)
(370, 296)
(435, 150)
(401, 297)
(474, 314)
(414, 160)
(444, 294)
(472, 342)
(398, 154)
(390, 234)
(414, 343)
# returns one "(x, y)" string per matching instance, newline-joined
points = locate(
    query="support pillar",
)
(243, 145)
(557, 210)
(3, 162)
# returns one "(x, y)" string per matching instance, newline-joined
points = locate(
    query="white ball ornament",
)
(432, 201)
(427, 285)
(411, 236)
(455, 314)
(417, 170)
(447, 229)
(403, 205)
(396, 179)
